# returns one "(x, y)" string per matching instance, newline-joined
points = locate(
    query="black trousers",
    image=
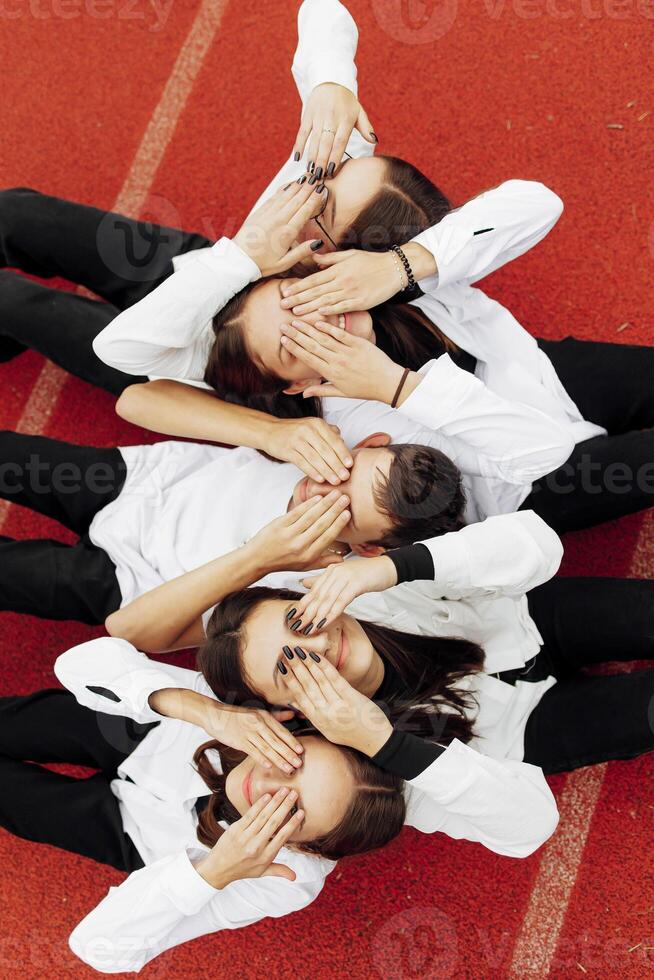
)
(69, 484)
(117, 258)
(609, 476)
(37, 804)
(587, 719)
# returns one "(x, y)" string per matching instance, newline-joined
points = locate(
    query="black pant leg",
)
(114, 256)
(583, 721)
(605, 478)
(58, 479)
(611, 384)
(586, 621)
(50, 726)
(51, 580)
(60, 325)
(79, 815)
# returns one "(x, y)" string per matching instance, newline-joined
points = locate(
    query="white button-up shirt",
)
(504, 804)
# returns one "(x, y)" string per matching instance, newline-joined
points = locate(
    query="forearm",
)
(181, 410)
(156, 620)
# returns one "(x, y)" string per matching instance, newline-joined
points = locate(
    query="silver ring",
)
(332, 131)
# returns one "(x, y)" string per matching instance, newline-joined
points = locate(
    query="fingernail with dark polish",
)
(300, 652)
(296, 625)
(288, 653)
(314, 656)
(287, 186)
(320, 189)
(331, 168)
(311, 166)
(302, 179)
(374, 136)
(321, 624)
(307, 629)
(316, 245)
(282, 668)
(296, 155)
(318, 172)
(312, 179)
(290, 614)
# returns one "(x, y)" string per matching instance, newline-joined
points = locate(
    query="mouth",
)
(245, 788)
(344, 321)
(343, 651)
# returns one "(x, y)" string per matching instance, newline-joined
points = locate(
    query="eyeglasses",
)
(323, 206)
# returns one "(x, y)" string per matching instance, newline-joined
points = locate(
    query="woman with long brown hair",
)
(191, 819)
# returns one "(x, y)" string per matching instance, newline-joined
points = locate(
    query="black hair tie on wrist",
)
(411, 282)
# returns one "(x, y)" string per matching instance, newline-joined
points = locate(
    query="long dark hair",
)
(406, 204)
(424, 698)
(375, 816)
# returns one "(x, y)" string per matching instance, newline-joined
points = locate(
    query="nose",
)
(269, 781)
(324, 489)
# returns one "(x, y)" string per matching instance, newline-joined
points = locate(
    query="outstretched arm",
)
(505, 805)
(171, 616)
(466, 245)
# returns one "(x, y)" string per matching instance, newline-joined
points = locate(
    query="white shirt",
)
(169, 332)
(184, 504)
(506, 805)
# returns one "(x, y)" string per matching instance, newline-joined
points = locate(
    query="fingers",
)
(365, 127)
(321, 514)
(323, 391)
(325, 145)
(323, 462)
(266, 747)
(314, 361)
(303, 285)
(281, 870)
(309, 684)
(267, 820)
(326, 337)
(331, 533)
(301, 140)
(298, 254)
(337, 151)
(283, 835)
(336, 308)
(306, 209)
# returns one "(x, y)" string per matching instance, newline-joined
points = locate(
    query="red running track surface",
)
(474, 93)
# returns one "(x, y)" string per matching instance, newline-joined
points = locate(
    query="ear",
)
(374, 441)
(297, 387)
(368, 550)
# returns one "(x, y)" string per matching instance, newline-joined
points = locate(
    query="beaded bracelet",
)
(411, 282)
(400, 271)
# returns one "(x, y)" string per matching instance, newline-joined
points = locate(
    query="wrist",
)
(413, 379)
(372, 739)
(388, 383)
(422, 262)
(211, 868)
(388, 576)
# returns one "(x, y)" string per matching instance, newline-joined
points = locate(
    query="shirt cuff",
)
(443, 387)
(446, 240)
(413, 561)
(226, 254)
(185, 887)
(331, 68)
(407, 755)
